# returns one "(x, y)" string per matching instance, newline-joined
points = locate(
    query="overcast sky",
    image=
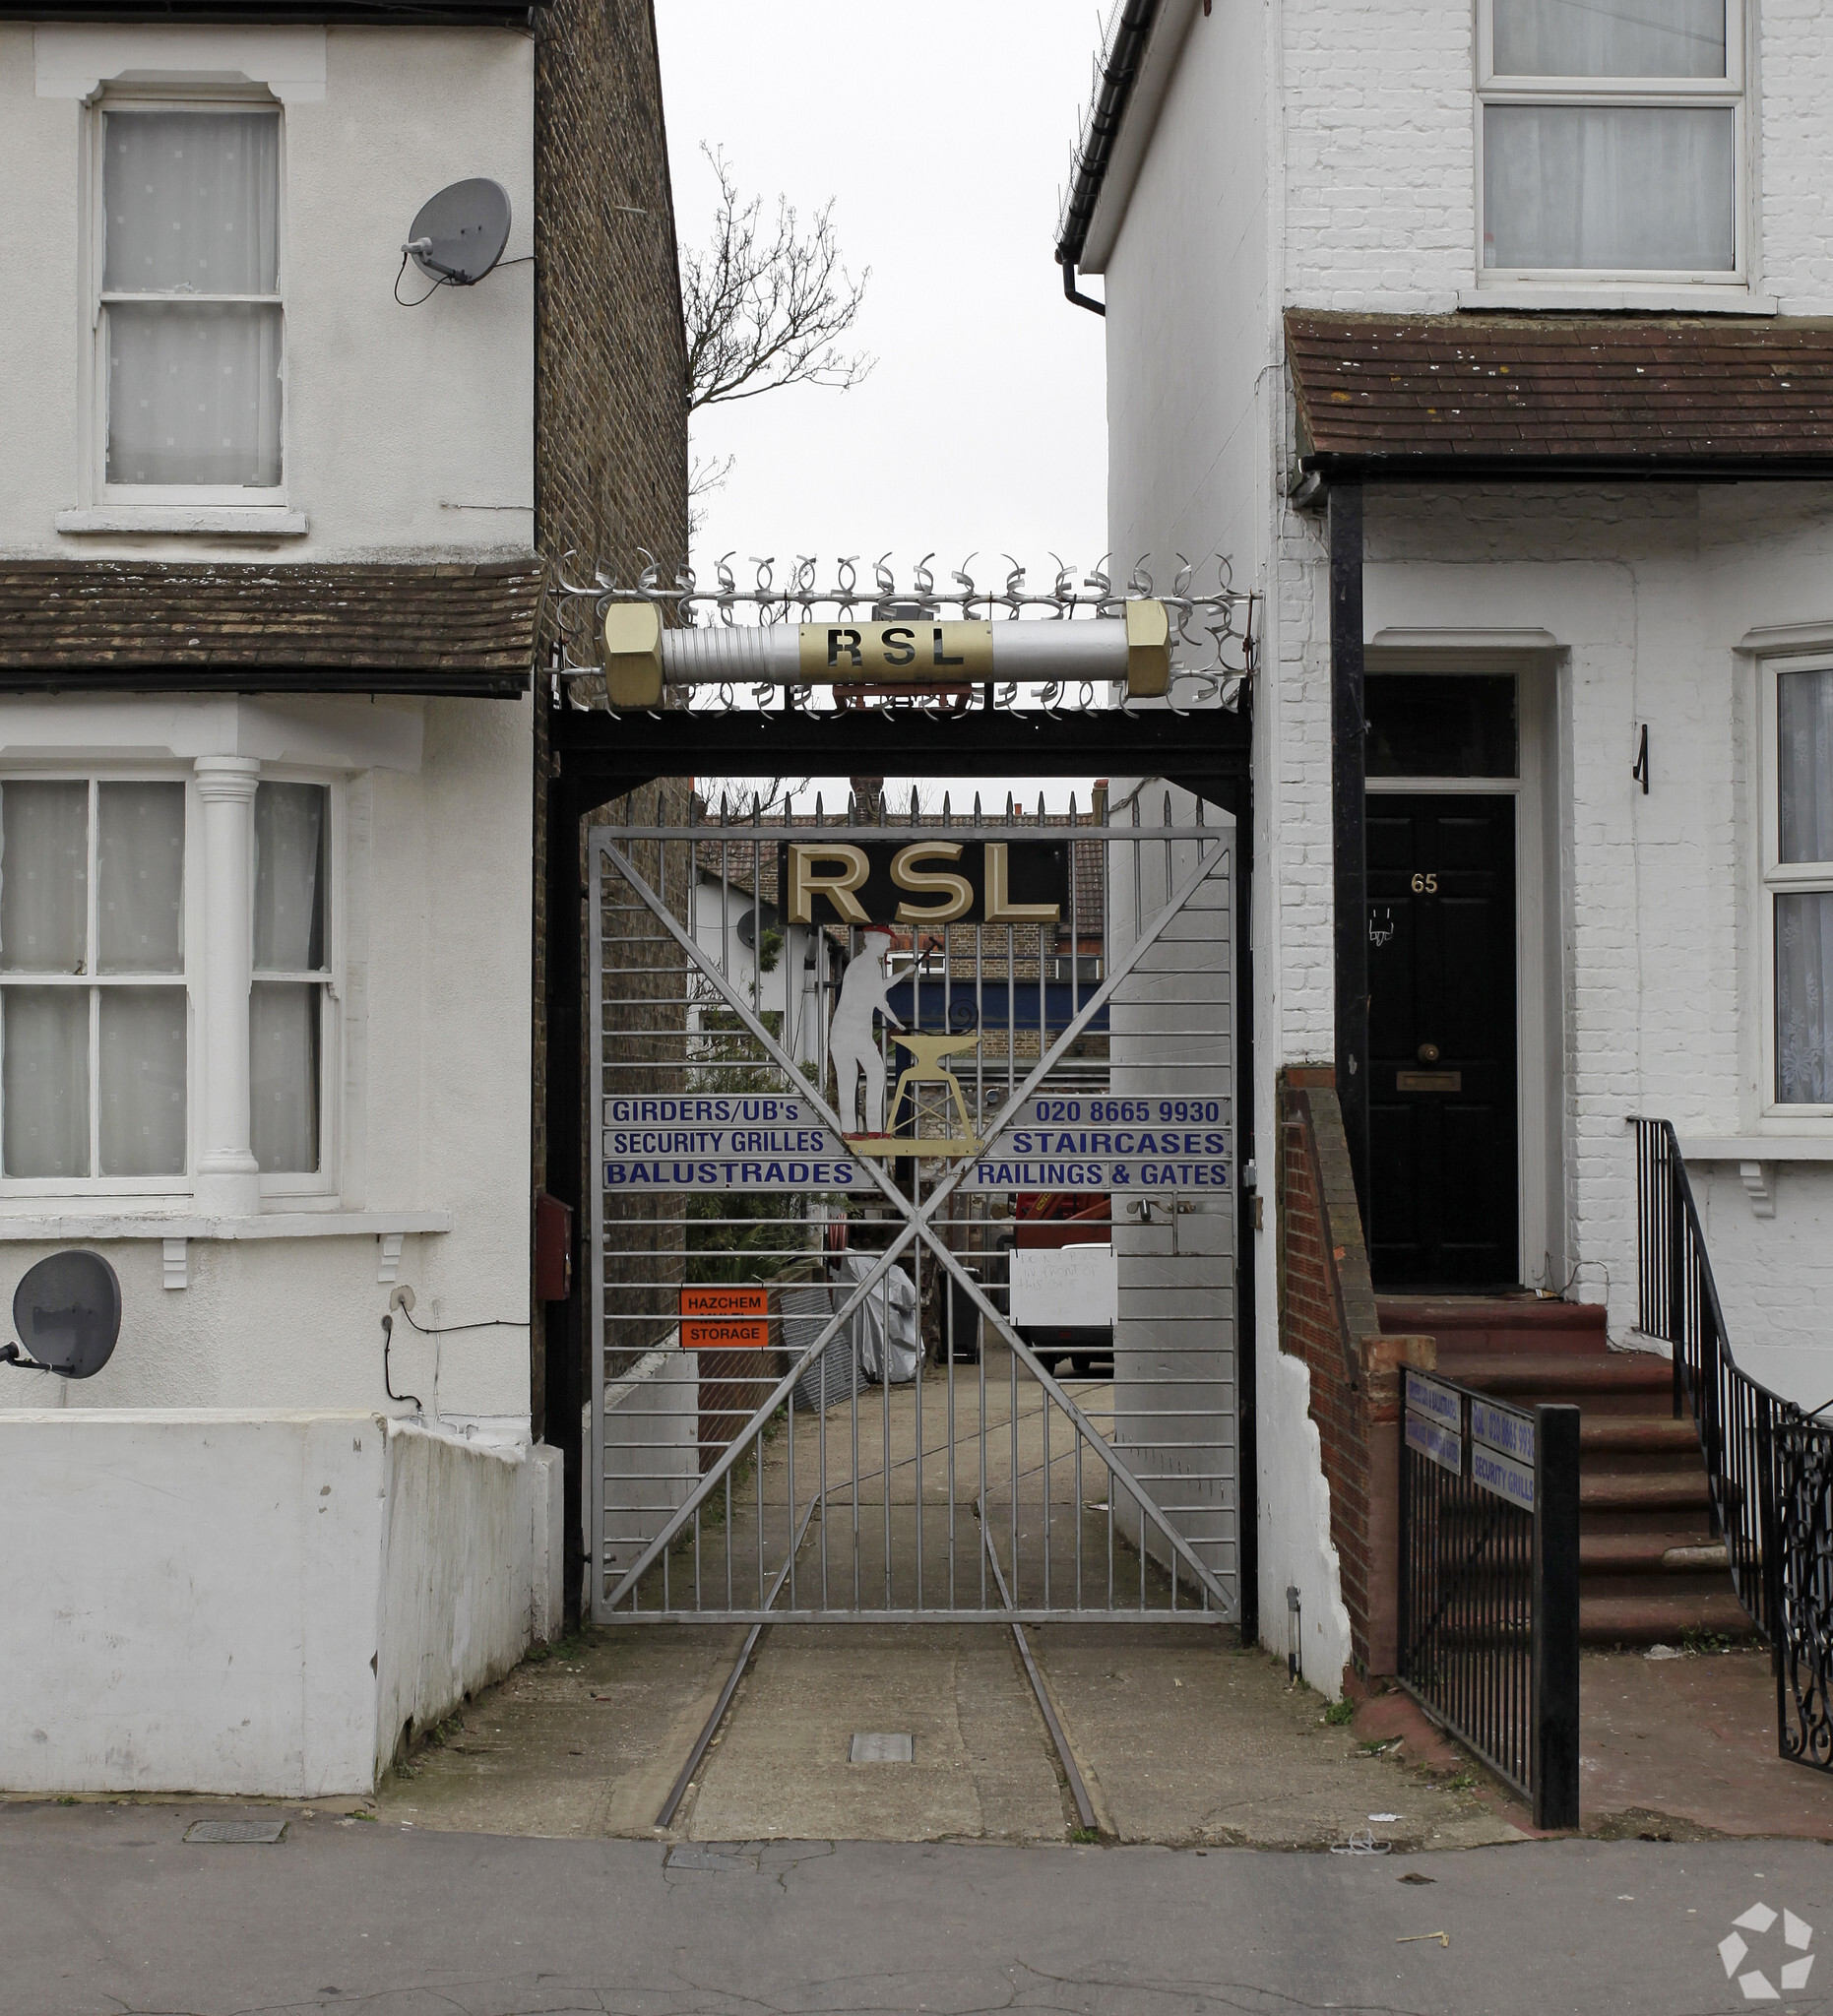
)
(942, 133)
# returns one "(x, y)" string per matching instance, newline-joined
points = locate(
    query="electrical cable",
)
(526, 259)
(425, 297)
(388, 1339)
(447, 1329)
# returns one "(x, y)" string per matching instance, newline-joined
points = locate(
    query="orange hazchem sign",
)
(724, 1317)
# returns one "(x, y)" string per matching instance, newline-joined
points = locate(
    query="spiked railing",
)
(1769, 1465)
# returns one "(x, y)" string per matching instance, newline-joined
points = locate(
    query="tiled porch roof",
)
(463, 629)
(1550, 395)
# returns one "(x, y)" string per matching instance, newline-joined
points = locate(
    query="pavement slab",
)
(1691, 1738)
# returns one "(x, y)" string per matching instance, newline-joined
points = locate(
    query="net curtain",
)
(1804, 919)
(192, 209)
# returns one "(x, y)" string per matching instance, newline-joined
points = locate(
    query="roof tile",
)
(1441, 387)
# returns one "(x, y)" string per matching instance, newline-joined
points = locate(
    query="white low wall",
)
(257, 1603)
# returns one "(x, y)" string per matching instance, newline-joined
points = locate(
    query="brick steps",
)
(1498, 1323)
(1675, 1490)
(1660, 1620)
(1652, 1568)
(1658, 1553)
(1623, 1435)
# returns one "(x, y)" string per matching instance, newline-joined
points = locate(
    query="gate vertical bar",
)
(595, 1343)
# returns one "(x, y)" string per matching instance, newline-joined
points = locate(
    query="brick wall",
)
(611, 411)
(1327, 1319)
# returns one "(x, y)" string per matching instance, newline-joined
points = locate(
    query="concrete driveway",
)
(1182, 1736)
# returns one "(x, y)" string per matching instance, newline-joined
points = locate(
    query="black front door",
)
(1442, 1156)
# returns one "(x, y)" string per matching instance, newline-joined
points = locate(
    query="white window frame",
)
(1540, 1067)
(186, 982)
(1728, 92)
(117, 498)
(326, 1181)
(323, 1180)
(1778, 877)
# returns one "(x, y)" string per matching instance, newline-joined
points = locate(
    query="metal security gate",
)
(897, 1117)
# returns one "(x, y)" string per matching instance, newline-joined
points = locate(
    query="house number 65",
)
(1425, 885)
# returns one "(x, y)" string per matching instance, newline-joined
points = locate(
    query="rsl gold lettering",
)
(940, 658)
(1000, 908)
(956, 891)
(846, 870)
(899, 644)
(838, 639)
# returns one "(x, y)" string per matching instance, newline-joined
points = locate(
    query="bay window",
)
(291, 976)
(93, 1021)
(189, 319)
(1611, 138)
(1799, 873)
(125, 996)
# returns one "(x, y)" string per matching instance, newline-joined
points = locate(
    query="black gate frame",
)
(593, 757)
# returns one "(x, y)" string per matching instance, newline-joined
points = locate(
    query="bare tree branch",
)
(707, 474)
(766, 308)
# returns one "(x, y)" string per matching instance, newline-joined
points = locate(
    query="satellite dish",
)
(458, 235)
(67, 1312)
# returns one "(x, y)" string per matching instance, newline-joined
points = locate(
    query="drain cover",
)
(879, 1749)
(261, 1833)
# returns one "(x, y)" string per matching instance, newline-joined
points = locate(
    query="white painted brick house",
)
(1512, 312)
(274, 544)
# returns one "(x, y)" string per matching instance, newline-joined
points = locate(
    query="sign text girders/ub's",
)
(772, 1142)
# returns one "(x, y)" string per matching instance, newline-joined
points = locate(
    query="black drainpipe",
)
(1117, 78)
(1349, 833)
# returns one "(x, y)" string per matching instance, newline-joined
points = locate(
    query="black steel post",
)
(565, 1324)
(1554, 1682)
(1771, 1483)
(1676, 1278)
(1347, 835)
(1248, 1248)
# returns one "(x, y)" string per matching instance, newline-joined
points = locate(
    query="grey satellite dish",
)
(67, 1312)
(458, 235)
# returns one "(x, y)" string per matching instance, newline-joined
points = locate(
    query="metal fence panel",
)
(810, 1399)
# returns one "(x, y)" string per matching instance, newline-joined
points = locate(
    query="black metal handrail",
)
(1769, 1465)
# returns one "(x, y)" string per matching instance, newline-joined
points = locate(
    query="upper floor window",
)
(1797, 863)
(189, 317)
(1611, 138)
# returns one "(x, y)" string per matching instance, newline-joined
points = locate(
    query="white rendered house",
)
(270, 603)
(1486, 337)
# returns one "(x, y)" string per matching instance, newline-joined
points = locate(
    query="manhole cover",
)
(879, 1749)
(261, 1833)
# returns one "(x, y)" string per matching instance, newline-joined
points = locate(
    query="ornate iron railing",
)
(1769, 1465)
(1488, 1583)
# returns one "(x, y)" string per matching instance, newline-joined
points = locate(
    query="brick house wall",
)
(1327, 1319)
(610, 407)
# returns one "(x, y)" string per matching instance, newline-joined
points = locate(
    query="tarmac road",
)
(107, 1908)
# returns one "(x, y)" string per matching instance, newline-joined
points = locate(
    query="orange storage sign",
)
(724, 1316)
